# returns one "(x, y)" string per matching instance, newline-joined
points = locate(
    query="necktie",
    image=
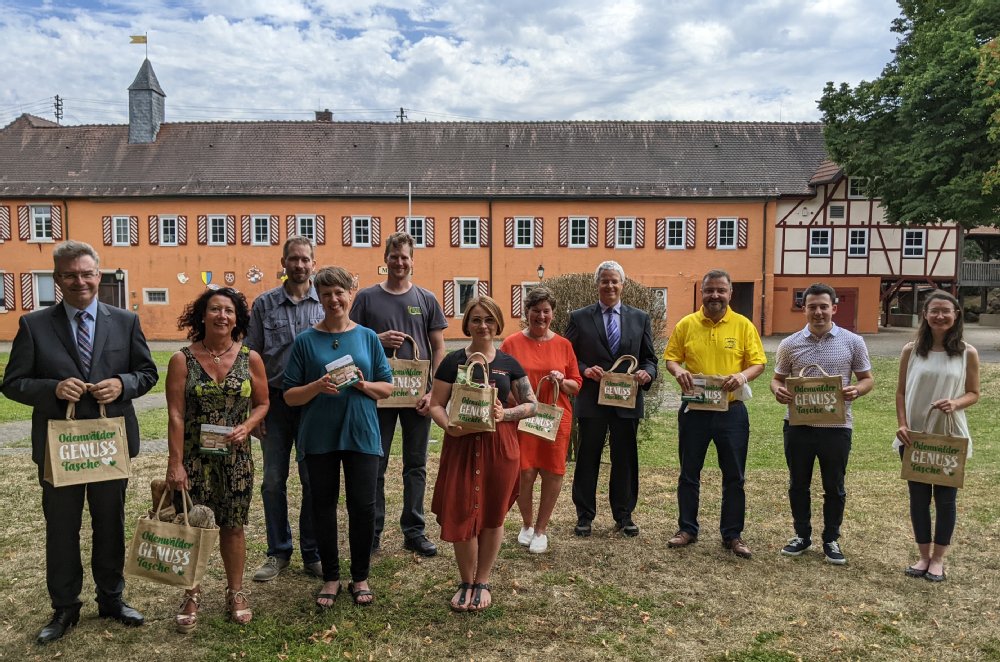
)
(83, 344)
(614, 336)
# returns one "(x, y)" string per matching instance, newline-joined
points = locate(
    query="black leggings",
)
(920, 511)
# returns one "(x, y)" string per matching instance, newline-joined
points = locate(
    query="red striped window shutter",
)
(484, 232)
(275, 230)
(290, 229)
(106, 230)
(483, 288)
(508, 232)
(4, 223)
(202, 229)
(448, 300)
(57, 226)
(742, 230)
(516, 305)
(711, 237)
(429, 232)
(182, 230)
(592, 231)
(346, 231)
(609, 232)
(400, 224)
(133, 230)
(539, 227)
(563, 231)
(640, 233)
(661, 233)
(24, 223)
(153, 230)
(690, 226)
(246, 229)
(58, 293)
(230, 230)
(27, 293)
(320, 230)
(8, 291)
(455, 230)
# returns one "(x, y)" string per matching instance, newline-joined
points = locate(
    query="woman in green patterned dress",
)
(216, 380)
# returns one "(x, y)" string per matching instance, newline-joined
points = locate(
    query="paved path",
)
(887, 342)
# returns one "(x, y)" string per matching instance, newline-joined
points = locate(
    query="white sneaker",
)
(539, 544)
(525, 536)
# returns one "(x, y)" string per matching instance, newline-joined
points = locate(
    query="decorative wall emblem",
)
(206, 277)
(230, 277)
(255, 275)
(182, 278)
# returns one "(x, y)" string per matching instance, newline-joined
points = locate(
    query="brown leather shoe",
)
(682, 539)
(737, 547)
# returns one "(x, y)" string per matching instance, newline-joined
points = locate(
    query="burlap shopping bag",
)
(167, 553)
(409, 379)
(545, 422)
(817, 399)
(471, 403)
(619, 389)
(938, 459)
(86, 450)
(708, 394)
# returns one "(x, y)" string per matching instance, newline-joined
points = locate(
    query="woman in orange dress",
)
(543, 353)
(478, 470)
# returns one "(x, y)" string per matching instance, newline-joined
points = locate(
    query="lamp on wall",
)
(119, 275)
(541, 272)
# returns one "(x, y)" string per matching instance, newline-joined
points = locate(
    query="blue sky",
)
(442, 60)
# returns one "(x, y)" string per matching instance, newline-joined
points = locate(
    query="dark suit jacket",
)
(44, 353)
(586, 332)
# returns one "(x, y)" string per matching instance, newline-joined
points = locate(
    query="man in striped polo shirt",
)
(839, 352)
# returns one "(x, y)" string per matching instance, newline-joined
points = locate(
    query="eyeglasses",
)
(81, 275)
(941, 312)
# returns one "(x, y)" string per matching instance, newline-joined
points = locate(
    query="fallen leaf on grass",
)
(428, 640)
(325, 637)
(644, 616)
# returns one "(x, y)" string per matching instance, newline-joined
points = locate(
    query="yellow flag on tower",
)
(138, 39)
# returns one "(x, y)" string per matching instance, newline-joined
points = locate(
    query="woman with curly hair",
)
(216, 380)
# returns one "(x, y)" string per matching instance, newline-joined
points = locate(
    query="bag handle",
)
(486, 366)
(555, 389)
(634, 361)
(416, 350)
(71, 411)
(814, 365)
(185, 499)
(949, 429)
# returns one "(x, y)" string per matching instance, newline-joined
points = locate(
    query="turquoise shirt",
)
(344, 422)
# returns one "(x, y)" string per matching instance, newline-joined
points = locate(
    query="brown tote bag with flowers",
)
(471, 404)
(545, 422)
(409, 380)
(817, 399)
(619, 389)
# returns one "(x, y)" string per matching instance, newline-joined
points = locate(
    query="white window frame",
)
(526, 286)
(817, 249)
(683, 236)
(731, 244)
(41, 215)
(361, 226)
(624, 224)
(524, 222)
(459, 282)
(305, 226)
(265, 220)
(910, 252)
(120, 233)
(855, 188)
(585, 221)
(3, 294)
(212, 221)
(147, 291)
(36, 277)
(855, 249)
(473, 226)
(163, 233)
(419, 238)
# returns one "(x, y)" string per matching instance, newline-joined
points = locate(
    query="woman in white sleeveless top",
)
(938, 377)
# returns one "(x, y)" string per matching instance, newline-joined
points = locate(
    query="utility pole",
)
(402, 115)
(58, 109)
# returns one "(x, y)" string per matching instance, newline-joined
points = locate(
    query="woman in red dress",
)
(543, 353)
(478, 470)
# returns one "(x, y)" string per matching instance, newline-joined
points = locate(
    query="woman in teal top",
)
(339, 426)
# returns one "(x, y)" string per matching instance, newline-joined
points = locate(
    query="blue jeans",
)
(730, 430)
(278, 444)
(415, 431)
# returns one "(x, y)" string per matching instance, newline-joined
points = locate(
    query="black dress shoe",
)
(421, 545)
(62, 620)
(628, 527)
(122, 613)
(582, 528)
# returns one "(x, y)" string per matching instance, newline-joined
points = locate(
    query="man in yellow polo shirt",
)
(714, 341)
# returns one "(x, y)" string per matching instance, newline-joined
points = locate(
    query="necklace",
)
(217, 358)
(336, 341)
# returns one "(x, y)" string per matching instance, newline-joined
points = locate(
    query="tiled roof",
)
(827, 172)
(475, 159)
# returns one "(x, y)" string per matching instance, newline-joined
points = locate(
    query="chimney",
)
(145, 106)
(324, 115)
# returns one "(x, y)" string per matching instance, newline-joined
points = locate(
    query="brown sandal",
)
(188, 622)
(236, 615)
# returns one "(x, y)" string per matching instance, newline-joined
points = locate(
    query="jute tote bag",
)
(545, 422)
(708, 394)
(817, 399)
(86, 450)
(471, 403)
(167, 553)
(409, 379)
(619, 389)
(938, 459)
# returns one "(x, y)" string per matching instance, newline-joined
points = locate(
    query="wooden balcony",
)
(980, 274)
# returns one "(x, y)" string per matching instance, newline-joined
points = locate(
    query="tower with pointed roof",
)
(146, 104)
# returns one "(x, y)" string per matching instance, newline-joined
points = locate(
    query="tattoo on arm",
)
(525, 396)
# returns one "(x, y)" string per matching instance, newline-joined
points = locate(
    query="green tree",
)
(989, 76)
(919, 131)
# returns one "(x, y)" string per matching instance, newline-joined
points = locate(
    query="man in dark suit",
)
(85, 352)
(601, 333)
